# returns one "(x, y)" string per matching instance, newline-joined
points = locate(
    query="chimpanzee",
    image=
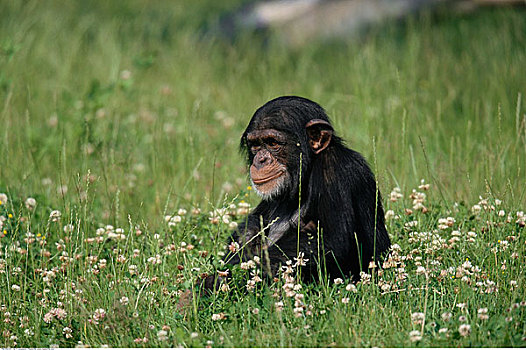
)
(319, 198)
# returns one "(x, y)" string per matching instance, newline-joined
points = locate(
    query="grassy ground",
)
(122, 114)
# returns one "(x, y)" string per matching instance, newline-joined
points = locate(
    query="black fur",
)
(341, 219)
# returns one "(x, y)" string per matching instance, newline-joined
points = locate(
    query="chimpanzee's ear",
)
(319, 132)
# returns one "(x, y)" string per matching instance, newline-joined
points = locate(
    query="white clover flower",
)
(467, 265)
(247, 265)
(224, 287)
(99, 314)
(31, 203)
(423, 185)
(155, 260)
(55, 215)
(125, 74)
(471, 234)
(300, 260)
(338, 281)
(227, 187)
(417, 197)
(162, 335)
(395, 194)
(62, 189)
(411, 223)
(351, 288)
(251, 285)
(482, 313)
(444, 223)
(48, 317)
(419, 206)
(415, 336)
(420, 270)
(365, 277)
(298, 310)
(233, 247)
(464, 330)
(417, 317)
(243, 209)
(67, 332)
(386, 287)
(521, 219)
(58, 313)
(390, 214)
(279, 306)
(297, 287)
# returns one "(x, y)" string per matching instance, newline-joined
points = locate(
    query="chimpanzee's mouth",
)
(260, 181)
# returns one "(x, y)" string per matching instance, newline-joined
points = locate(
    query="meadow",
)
(120, 178)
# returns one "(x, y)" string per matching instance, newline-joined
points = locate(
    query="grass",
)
(122, 114)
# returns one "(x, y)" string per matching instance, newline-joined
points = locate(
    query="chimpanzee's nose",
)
(262, 159)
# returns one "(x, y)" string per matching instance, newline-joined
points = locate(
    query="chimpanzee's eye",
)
(254, 147)
(272, 142)
(251, 146)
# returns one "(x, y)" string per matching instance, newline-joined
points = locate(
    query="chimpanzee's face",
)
(269, 173)
(281, 140)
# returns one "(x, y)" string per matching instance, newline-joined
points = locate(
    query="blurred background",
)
(145, 101)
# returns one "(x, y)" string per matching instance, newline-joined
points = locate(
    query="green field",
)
(125, 118)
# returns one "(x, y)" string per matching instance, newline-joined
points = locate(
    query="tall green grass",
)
(122, 113)
(448, 89)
